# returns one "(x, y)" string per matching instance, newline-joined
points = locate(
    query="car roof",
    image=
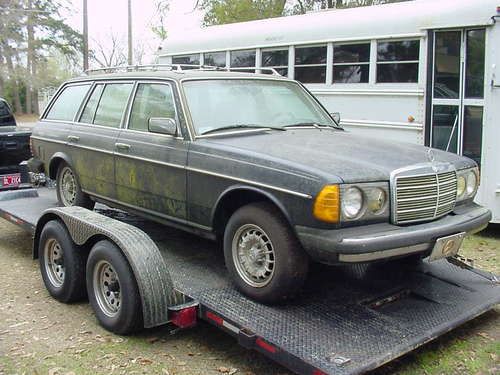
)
(177, 75)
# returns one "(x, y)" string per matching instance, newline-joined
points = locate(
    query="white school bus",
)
(423, 71)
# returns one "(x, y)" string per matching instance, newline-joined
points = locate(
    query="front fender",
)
(54, 163)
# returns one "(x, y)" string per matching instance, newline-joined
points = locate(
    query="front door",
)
(458, 91)
(150, 167)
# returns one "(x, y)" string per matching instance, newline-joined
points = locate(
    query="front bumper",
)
(384, 240)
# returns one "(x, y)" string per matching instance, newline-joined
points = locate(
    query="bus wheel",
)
(112, 289)
(62, 264)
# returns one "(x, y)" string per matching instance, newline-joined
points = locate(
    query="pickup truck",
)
(14, 149)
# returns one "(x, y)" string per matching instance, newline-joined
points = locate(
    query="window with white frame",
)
(276, 59)
(243, 58)
(310, 64)
(193, 59)
(397, 61)
(351, 63)
(215, 59)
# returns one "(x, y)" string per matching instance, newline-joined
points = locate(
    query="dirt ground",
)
(39, 335)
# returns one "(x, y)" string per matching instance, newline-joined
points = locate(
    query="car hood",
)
(350, 157)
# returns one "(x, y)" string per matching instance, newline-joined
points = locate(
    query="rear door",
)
(92, 139)
(150, 168)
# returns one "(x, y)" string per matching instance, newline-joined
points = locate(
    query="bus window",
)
(242, 59)
(277, 59)
(310, 64)
(398, 61)
(193, 59)
(215, 59)
(351, 63)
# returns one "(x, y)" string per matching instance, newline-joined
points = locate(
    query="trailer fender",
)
(149, 268)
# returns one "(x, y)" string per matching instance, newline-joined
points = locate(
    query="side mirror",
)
(162, 125)
(336, 117)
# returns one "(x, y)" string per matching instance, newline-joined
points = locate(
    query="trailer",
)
(347, 320)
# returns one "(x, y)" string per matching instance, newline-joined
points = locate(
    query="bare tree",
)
(112, 53)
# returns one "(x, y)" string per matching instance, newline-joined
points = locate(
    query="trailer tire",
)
(257, 239)
(62, 264)
(69, 192)
(112, 289)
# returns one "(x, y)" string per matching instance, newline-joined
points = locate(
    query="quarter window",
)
(310, 64)
(151, 100)
(67, 103)
(243, 59)
(351, 63)
(215, 59)
(193, 59)
(398, 61)
(276, 59)
(91, 106)
(112, 104)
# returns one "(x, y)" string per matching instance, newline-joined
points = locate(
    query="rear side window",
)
(112, 104)
(91, 106)
(67, 103)
(151, 100)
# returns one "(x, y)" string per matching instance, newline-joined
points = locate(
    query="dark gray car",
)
(256, 161)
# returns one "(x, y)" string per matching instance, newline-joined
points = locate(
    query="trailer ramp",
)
(347, 320)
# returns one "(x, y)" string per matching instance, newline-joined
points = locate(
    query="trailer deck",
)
(347, 320)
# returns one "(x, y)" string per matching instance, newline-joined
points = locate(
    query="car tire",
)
(112, 289)
(263, 256)
(69, 192)
(62, 263)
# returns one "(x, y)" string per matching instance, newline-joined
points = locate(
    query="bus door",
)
(458, 91)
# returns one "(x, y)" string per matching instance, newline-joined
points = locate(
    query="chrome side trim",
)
(91, 149)
(151, 212)
(140, 158)
(367, 257)
(38, 138)
(302, 195)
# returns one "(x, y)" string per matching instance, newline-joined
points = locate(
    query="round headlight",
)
(352, 202)
(461, 184)
(471, 183)
(376, 200)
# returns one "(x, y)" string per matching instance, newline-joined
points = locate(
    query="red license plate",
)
(10, 180)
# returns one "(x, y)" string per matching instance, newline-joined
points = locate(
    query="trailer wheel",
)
(69, 192)
(263, 256)
(62, 264)
(112, 289)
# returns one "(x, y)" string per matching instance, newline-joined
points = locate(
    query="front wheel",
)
(263, 256)
(69, 192)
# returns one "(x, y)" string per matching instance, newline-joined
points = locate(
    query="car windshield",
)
(251, 103)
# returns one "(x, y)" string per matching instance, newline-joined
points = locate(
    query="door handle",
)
(73, 138)
(122, 146)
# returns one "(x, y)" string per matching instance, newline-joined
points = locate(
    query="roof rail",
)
(177, 68)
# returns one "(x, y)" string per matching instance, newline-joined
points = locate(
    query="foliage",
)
(31, 31)
(159, 24)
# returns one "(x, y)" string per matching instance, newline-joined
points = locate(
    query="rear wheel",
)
(69, 192)
(62, 264)
(263, 256)
(112, 289)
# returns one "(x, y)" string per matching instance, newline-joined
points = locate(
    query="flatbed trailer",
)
(347, 320)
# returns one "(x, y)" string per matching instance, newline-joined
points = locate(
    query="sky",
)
(110, 16)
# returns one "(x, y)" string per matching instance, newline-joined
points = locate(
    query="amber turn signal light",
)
(327, 204)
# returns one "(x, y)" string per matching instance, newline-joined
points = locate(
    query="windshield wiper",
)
(241, 126)
(313, 124)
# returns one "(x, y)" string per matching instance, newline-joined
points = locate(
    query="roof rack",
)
(177, 68)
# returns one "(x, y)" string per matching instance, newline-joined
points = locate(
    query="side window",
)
(310, 64)
(89, 110)
(351, 63)
(242, 59)
(215, 59)
(151, 100)
(398, 61)
(112, 104)
(193, 59)
(277, 59)
(67, 103)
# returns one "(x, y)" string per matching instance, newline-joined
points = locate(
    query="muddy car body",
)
(257, 161)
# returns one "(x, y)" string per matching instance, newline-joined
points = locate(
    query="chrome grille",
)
(424, 197)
